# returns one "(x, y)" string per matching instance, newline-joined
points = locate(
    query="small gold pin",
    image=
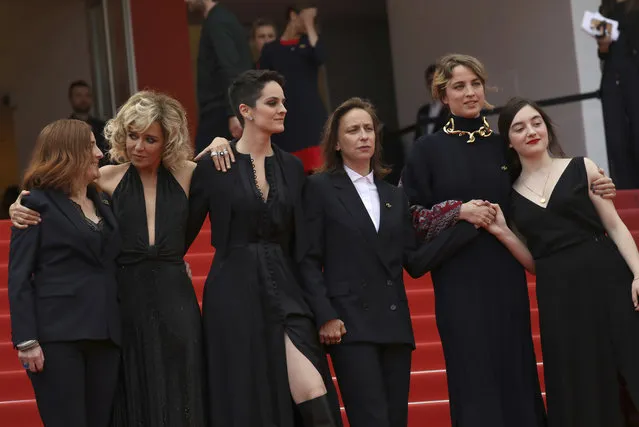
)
(504, 168)
(105, 201)
(302, 46)
(388, 205)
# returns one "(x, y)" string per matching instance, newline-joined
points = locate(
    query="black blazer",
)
(354, 273)
(210, 193)
(62, 275)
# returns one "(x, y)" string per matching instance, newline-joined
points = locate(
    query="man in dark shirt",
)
(432, 116)
(81, 100)
(224, 53)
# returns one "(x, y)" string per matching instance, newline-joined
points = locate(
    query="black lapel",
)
(75, 217)
(349, 197)
(387, 213)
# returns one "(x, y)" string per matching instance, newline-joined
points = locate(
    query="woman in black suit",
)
(62, 283)
(360, 238)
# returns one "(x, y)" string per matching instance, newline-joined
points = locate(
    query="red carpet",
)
(428, 395)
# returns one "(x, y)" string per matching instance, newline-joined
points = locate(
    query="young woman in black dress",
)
(587, 268)
(263, 351)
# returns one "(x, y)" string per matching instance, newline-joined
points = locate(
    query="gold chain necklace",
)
(542, 198)
(484, 131)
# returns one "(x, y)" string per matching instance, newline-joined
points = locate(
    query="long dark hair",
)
(506, 117)
(333, 161)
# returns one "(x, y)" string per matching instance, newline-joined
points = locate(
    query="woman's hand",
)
(332, 332)
(478, 212)
(635, 294)
(32, 359)
(21, 216)
(603, 186)
(221, 153)
(499, 225)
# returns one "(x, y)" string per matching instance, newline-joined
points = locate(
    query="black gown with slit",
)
(481, 295)
(252, 296)
(589, 329)
(163, 377)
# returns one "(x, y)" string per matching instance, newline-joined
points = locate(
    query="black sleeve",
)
(318, 52)
(266, 62)
(416, 177)
(198, 199)
(23, 255)
(230, 59)
(421, 257)
(311, 265)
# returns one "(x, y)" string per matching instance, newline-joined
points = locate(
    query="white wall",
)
(43, 47)
(528, 48)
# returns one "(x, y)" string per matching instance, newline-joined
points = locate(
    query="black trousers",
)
(374, 380)
(620, 102)
(211, 124)
(78, 382)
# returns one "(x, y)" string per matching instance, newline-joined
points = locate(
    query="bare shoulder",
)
(110, 177)
(591, 169)
(183, 174)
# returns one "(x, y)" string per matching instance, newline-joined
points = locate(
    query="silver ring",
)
(225, 152)
(214, 154)
(221, 153)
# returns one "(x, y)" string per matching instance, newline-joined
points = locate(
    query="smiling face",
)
(465, 93)
(528, 133)
(356, 137)
(145, 148)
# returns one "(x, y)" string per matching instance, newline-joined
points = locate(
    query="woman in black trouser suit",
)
(620, 92)
(361, 237)
(62, 285)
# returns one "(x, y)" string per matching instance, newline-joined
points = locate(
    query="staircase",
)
(428, 394)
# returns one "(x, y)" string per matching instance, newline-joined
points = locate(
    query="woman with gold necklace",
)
(482, 305)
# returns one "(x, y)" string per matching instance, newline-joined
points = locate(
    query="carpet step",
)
(20, 413)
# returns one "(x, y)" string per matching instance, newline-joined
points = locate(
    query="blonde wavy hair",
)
(444, 74)
(138, 113)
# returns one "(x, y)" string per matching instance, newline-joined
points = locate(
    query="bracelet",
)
(28, 345)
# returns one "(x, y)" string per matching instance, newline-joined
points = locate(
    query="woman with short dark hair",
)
(261, 344)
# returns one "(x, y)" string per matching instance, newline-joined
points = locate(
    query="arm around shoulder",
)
(23, 255)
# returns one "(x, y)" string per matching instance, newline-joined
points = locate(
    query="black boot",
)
(317, 412)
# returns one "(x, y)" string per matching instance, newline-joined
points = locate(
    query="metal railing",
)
(561, 100)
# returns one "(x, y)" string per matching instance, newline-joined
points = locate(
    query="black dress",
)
(589, 329)
(252, 296)
(481, 294)
(163, 377)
